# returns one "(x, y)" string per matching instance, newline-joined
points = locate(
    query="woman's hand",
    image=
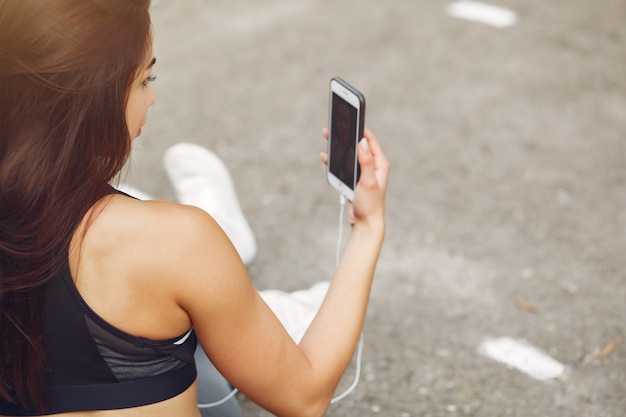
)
(369, 195)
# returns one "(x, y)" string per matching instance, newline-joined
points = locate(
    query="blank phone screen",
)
(343, 141)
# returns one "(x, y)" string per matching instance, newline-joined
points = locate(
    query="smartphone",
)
(346, 123)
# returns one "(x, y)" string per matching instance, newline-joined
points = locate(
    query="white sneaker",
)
(296, 310)
(201, 179)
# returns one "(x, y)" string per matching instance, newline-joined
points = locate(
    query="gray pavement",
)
(507, 201)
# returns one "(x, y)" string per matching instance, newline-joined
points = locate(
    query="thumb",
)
(366, 160)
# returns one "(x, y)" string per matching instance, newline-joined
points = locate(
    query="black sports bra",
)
(95, 366)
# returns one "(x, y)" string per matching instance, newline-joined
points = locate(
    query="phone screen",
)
(343, 141)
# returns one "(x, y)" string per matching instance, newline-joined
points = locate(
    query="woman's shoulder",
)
(153, 235)
(132, 218)
(137, 259)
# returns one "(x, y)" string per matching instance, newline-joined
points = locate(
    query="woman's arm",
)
(241, 335)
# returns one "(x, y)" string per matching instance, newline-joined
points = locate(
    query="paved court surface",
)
(507, 202)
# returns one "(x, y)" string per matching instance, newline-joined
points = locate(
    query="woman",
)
(103, 297)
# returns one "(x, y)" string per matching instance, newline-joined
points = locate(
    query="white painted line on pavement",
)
(483, 13)
(522, 356)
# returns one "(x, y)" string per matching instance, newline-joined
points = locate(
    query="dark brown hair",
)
(65, 73)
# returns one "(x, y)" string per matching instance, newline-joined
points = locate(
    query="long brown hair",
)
(65, 72)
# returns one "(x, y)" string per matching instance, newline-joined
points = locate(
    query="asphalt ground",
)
(507, 198)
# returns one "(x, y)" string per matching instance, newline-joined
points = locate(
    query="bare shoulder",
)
(152, 242)
(139, 260)
(158, 232)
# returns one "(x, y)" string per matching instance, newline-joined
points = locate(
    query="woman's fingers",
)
(324, 155)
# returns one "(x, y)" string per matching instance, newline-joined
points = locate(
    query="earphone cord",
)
(359, 353)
